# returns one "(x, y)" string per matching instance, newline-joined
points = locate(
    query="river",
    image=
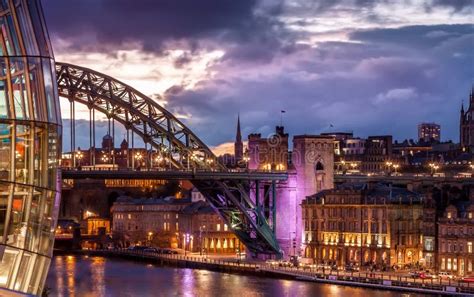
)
(83, 276)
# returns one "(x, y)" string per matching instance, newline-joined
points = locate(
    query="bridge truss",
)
(174, 142)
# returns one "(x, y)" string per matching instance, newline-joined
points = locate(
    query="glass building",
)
(30, 132)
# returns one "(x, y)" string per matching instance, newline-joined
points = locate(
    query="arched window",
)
(319, 166)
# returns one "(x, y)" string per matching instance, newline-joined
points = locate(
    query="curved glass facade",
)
(30, 132)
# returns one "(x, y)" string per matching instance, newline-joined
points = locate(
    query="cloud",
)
(396, 95)
(324, 62)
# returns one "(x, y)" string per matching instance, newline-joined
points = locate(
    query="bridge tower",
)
(313, 172)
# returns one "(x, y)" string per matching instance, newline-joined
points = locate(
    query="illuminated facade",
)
(30, 129)
(456, 239)
(364, 225)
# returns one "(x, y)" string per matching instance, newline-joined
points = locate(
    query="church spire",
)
(238, 145)
(238, 137)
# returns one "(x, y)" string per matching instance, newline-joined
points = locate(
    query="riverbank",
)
(365, 280)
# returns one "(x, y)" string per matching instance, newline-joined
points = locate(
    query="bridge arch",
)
(137, 112)
(230, 198)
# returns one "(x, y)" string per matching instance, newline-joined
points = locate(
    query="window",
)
(449, 215)
(469, 215)
(225, 227)
(469, 247)
(443, 264)
(455, 264)
(218, 227)
(129, 216)
(449, 264)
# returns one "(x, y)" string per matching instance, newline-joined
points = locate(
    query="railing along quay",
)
(376, 280)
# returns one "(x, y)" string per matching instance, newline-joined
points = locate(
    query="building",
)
(30, 126)
(378, 151)
(455, 239)
(203, 231)
(466, 125)
(364, 225)
(189, 224)
(108, 157)
(429, 132)
(268, 154)
(146, 221)
(339, 140)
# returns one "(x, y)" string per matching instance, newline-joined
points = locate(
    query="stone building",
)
(270, 153)
(145, 221)
(455, 239)
(364, 224)
(466, 125)
(203, 231)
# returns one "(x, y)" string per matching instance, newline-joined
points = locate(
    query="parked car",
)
(468, 279)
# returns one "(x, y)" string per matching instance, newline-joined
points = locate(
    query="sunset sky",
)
(372, 67)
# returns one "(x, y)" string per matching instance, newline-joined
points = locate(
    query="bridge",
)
(172, 151)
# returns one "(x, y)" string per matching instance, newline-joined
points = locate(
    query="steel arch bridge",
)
(230, 197)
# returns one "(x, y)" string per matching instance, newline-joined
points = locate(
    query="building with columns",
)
(364, 225)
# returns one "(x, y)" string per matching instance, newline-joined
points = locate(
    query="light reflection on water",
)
(98, 277)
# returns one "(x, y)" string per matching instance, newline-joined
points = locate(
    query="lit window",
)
(218, 227)
(449, 264)
(225, 227)
(455, 264)
(469, 247)
(129, 216)
(443, 264)
(469, 215)
(449, 214)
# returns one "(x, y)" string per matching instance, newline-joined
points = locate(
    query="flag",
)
(331, 126)
(283, 111)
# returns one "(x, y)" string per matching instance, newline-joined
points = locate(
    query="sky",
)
(371, 67)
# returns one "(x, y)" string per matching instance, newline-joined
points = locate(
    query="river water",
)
(84, 276)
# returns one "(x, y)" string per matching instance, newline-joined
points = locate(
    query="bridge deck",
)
(172, 175)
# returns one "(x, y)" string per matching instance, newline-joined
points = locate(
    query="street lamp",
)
(79, 156)
(389, 166)
(396, 166)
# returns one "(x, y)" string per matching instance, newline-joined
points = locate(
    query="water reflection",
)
(97, 276)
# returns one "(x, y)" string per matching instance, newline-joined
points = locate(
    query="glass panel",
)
(40, 155)
(13, 46)
(17, 229)
(39, 102)
(23, 272)
(5, 190)
(37, 22)
(20, 94)
(23, 147)
(6, 266)
(49, 90)
(5, 151)
(27, 32)
(4, 106)
(53, 155)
